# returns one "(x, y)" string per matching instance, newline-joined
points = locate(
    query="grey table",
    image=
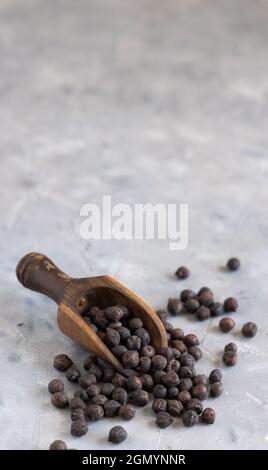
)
(148, 101)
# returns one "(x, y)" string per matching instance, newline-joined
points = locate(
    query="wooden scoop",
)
(75, 296)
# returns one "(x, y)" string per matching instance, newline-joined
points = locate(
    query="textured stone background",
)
(148, 101)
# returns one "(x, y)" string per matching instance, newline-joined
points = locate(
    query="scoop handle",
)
(38, 273)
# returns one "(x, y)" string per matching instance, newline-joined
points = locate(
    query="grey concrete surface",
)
(148, 101)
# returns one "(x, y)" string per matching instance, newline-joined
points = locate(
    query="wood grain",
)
(37, 272)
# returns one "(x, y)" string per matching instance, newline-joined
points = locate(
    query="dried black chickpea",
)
(99, 319)
(127, 412)
(182, 272)
(107, 389)
(202, 313)
(226, 324)
(158, 376)
(190, 418)
(143, 335)
(178, 347)
(55, 386)
(133, 383)
(148, 351)
(163, 420)
(187, 360)
(99, 399)
(108, 375)
(191, 340)
(200, 391)
(125, 310)
(215, 376)
(200, 379)
(85, 380)
(120, 395)
(196, 352)
(159, 405)
(113, 314)
(184, 396)
(159, 391)
(80, 393)
(192, 305)
(114, 324)
(166, 352)
(92, 391)
(174, 407)
(186, 372)
(187, 294)
(124, 333)
(172, 392)
(174, 306)
(88, 362)
(62, 362)
(117, 435)
(144, 364)
(76, 402)
(208, 416)
(134, 323)
(58, 445)
(195, 405)
(119, 380)
(147, 382)
(159, 362)
(230, 304)
(72, 374)
(229, 358)
(185, 384)
(130, 359)
(94, 412)
(177, 333)
(233, 264)
(206, 298)
(133, 342)
(97, 371)
(249, 329)
(216, 309)
(204, 290)
(79, 428)
(111, 408)
(60, 400)
(77, 414)
(216, 389)
(119, 350)
(171, 379)
(231, 347)
(139, 397)
(111, 338)
(168, 327)
(173, 364)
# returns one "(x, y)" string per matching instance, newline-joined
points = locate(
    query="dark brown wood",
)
(36, 272)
